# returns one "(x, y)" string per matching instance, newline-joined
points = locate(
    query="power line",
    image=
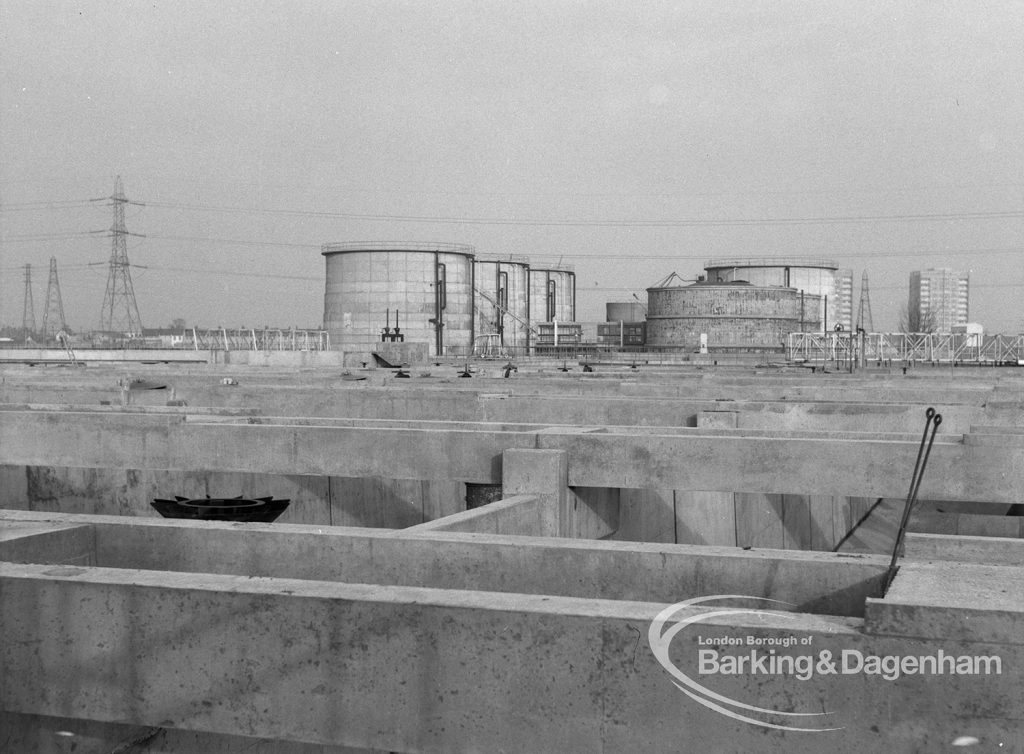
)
(641, 223)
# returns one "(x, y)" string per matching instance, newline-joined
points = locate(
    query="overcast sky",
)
(628, 139)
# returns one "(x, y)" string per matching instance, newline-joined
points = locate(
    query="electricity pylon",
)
(53, 315)
(120, 311)
(864, 319)
(28, 312)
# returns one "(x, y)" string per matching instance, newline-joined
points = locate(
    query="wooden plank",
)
(759, 520)
(645, 516)
(376, 502)
(822, 512)
(705, 518)
(796, 522)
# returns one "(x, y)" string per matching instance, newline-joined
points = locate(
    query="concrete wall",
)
(337, 501)
(431, 668)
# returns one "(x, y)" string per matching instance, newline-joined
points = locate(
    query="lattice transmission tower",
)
(120, 311)
(864, 319)
(28, 311)
(53, 314)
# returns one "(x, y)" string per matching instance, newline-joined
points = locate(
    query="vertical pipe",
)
(438, 342)
(472, 304)
(529, 309)
(573, 296)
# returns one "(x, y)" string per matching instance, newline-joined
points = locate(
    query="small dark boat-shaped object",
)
(258, 509)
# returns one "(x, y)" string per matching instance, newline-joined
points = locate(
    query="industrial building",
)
(939, 299)
(625, 325)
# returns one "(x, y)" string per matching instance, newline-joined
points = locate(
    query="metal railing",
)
(966, 348)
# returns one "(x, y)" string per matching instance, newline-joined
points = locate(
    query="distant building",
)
(939, 299)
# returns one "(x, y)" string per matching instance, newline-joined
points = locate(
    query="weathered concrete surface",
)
(761, 403)
(336, 501)
(408, 669)
(59, 355)
(965, 549)
(964, 602)
(690, 459)
(38, 541)
(519, 514)
(40, 734)
(816, 582)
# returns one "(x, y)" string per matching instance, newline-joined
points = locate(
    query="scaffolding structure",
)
(251, 339)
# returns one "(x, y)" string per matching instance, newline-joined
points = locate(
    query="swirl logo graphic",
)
(663, 630)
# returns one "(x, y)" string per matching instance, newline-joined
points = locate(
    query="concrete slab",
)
(960, 602)
(965, 549)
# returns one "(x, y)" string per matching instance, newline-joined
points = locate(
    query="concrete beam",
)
(762, 405)
(953, 602)
(519, 514)
(712, 460)
(642, 572)
(965, 549)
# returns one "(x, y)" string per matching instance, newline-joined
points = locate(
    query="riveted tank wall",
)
(425, 290)
(552, 295)
(503, 302)
(733, 317)
(624, 311)
(814, 277)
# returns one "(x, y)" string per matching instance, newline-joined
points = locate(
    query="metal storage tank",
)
(733, 316)
(425, 290)
(552, 295)
(502, 303)
(816, 277)
(624, 311)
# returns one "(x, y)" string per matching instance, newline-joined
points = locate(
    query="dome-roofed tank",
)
(821, 278)
(733, 316)
(409, 292)
(502, 305)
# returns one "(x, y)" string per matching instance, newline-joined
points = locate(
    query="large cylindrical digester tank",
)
(552, 295)
(423, 289)
(503, 302)
(733, 316)
(815, 277)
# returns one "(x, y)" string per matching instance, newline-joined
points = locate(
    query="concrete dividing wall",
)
(405, 668)
(337, 501)
(420, 556)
